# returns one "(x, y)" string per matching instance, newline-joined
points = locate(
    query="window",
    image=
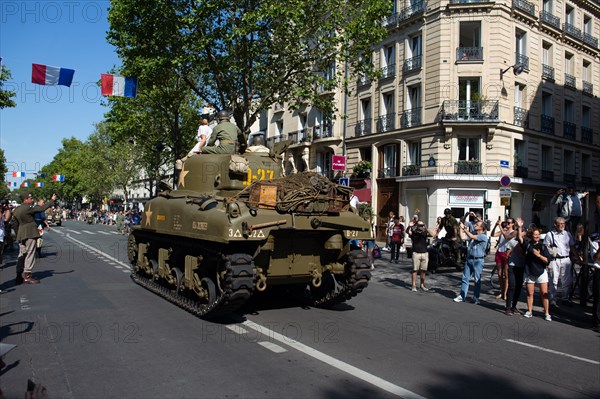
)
(468, 94)
(569, 63)
(547, 6)
(414, 48)
(414, 153)
(547, 104)
(569, 15)
(520, 153)
(385, 122)
(547, 160)
(366, 154)
(412, 112)
(569, 111)
(586, 116)
(323, 163)
(390, 161)
(388, 61)
(519, 95)
(521, 57)
(569, 163)
(279, 126)
(587, 71)
(468, 149)
(470, 42)
(588, 25)
(365, 108)
(586, 166)
(547, 54)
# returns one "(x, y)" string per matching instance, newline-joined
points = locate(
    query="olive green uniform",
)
(227, 134)
(452, 235)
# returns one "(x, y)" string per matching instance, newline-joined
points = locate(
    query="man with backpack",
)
(568, 206)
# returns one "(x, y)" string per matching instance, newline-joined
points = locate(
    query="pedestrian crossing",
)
(106, 233)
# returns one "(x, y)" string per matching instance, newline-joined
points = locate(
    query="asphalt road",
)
(87, 331)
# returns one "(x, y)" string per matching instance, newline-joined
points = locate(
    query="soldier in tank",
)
(226, 132)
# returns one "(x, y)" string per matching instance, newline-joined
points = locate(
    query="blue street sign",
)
(504, 164)
(345, 181)
(505, 181)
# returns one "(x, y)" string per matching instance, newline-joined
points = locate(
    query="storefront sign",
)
(467, 197)
(338, 162)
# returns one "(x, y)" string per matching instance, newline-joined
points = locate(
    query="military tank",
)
(235, 227)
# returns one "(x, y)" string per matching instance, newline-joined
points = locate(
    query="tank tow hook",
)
(261, 284)
(317, 278)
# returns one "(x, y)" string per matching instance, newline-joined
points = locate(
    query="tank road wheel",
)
(211, 290)
(177, 278)
(132, 250)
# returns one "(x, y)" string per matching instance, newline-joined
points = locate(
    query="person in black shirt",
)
(418, 234)
(537, 258)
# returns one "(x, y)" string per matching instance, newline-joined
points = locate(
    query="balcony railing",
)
(386, 172)
(523, 60)
(363, 128)
(363, 80)
(386, 123)
(388, 71)
(469, 54)
(411, 117)
(588, 88)
(470, 111)
(547, 175)
(468, 1)
(587, 134)
(411, 170)
(591, 40)
(275, 139)
(571, 30)
(322, 132)
(412, 64)
(550, 19)
(521, 117)
(524, 6)
(569, 130)
(547, 72)
(522, 171)
(547, 124)
(412, 10)
(390, 20)
(467, 168)
(570, 81)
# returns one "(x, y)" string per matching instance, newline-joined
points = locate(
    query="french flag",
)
(12, 184)
(39, 184)
(51, 76)
(18, 174)
(113, 85)
(58, 177)
(25, 184)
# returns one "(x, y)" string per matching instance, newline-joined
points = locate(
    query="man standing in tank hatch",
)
(226, 132)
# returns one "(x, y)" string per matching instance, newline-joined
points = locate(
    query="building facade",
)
(471, 91)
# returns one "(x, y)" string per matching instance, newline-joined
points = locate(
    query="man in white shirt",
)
(569, 207)
(560, 244)
(202, 137)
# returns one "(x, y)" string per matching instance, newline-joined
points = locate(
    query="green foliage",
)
(6, 95)
(362, 169)
(3, 171)
(246, 55)
(365, 211)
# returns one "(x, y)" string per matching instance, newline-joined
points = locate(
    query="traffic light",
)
(488, 204)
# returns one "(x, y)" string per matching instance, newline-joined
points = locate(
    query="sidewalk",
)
(446, 283)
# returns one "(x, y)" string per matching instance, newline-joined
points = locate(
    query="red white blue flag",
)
(58, 177)
(18, 174)
(25, 184)
(51, 76)
(113, 85)
(39, 184)
(12, 184)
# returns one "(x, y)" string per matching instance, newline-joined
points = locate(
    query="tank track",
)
(237, 289)
(357, 279)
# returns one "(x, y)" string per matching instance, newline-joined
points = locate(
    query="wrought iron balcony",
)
(322, 132)
(522, 171)
(464, 54)
(547, 175)
(363, 80)
(547, 72)
(521, 117)
(363, 128)
(390, 21)
(388, 71)
(569, 130)
(588, 88)
(550, 19)
(386, 123)
(587, 134)
(571, 30)
(524, 6)
(470, 111)
(412, 10)
(591, 40)
(275, 139)
(411, 117)
(412, 64)
(523, 60)
(386, 172)
(547, 124)
(467, 168)
(411, 170)
(570, 81)
(468, 1)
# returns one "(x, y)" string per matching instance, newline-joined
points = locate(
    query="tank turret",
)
(234, 226)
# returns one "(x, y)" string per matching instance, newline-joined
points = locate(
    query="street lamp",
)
(517, 69)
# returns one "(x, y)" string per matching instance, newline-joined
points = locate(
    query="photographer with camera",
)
(568, 206)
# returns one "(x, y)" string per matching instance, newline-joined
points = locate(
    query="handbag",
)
(376, 252)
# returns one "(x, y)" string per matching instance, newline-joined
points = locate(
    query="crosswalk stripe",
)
(89, 232)
(104, 232)
(73, 231)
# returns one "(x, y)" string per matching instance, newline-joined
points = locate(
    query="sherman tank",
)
(234, 227)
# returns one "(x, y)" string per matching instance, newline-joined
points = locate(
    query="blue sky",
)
(68, 34)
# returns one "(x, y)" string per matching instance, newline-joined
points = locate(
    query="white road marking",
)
(88, 232)
(104, 232)
(236, 328)
(94, 250)
(24, 302)
(272, 347)
(338, 364)
(552, 351)
(73, 231)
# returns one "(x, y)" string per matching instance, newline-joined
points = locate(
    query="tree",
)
(5, 95)
(3, 171)
(245, 56)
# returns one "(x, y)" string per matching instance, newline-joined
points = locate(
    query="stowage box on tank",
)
(235, 226)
